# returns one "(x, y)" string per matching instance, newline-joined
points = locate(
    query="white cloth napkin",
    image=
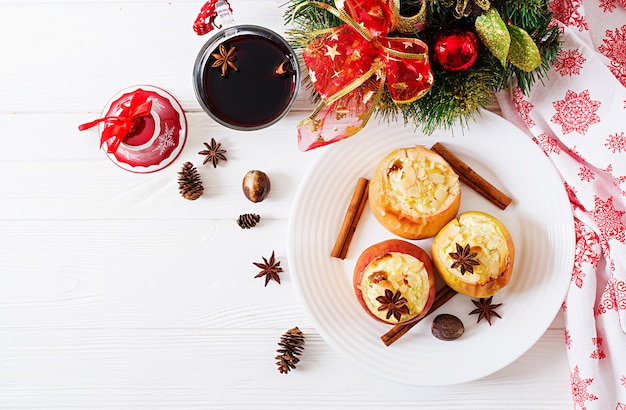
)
(578, 117)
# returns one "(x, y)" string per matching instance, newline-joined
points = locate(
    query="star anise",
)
(270, 269)
(485, 309)
(464, 259)
(394, 304)
(225, 59)
(213, 152)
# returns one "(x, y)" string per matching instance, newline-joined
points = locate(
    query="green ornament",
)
(493, 33)
(523, 52)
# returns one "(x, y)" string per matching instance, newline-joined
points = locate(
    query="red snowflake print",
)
(613, 297)
(573, 198)
(586, 241)
(610, 5)
(568, 339)
(620, 406)
(614, 48)
(623, 380)
(579, 389)
(564, 306)
(569, 62)
(616, 143)
(549, 144)
(586, 174)
(609, 221)
(523, 107)
(598, 353)
(567, 12)
(618, 181)
(576, 112)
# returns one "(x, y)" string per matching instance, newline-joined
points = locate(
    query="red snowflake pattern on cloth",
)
(576, 112)
(585, 174)
(548, 144)
(579, 389)
(573, 199)
(578, 121)
(569, 62)
(610, 5)
(598, 353)
(568, 12)
(614, 47)
(618, 181)
(616, 143)
(523, 107)
(613, 297)
(586, 240)
(609, 221)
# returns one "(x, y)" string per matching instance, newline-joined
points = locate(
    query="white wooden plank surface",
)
(114, 291)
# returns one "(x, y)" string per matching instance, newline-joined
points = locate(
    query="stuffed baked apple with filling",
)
(414, 192)
(474, 254)
(394, 281)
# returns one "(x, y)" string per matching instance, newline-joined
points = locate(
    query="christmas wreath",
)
(433, 63)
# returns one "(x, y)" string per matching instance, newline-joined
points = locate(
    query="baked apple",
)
(474, 254)
(414, 192)
(394, 281)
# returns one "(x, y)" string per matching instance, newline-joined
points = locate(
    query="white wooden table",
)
(117, 293)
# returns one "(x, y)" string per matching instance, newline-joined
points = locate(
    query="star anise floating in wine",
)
(464, 259)
(394, 304)
(214, 153)
(485, 309)
(225, 59)
(270, 269)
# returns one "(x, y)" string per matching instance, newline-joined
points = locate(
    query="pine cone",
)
(189, 182)
(247, 221)
(292, 345)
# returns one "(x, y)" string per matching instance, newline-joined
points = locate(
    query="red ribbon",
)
(120, 126)
(205, 22)
(351, 64)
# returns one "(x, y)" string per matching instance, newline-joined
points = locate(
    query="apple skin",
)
(400, 246)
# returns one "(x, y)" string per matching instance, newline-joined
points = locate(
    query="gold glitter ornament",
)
(493, 33)
(523, 52)
(415, 23)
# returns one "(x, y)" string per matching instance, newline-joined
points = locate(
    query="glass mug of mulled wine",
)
(245, 77)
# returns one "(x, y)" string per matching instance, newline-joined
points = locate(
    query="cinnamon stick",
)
(441, 297)
(472, 179)
(351, 219)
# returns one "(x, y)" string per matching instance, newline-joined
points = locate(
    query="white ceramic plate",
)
(539, 219)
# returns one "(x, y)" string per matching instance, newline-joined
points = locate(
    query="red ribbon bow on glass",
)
(350, 65)
(120, 126)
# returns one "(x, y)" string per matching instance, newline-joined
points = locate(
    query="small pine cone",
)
(247, 221)
(292, 345)
(189, 182)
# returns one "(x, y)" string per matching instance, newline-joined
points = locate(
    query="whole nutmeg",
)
(256, 185)
(447, 327)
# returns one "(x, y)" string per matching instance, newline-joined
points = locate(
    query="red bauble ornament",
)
(455, 49)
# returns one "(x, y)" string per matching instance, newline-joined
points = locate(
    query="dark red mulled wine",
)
(259, 91)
